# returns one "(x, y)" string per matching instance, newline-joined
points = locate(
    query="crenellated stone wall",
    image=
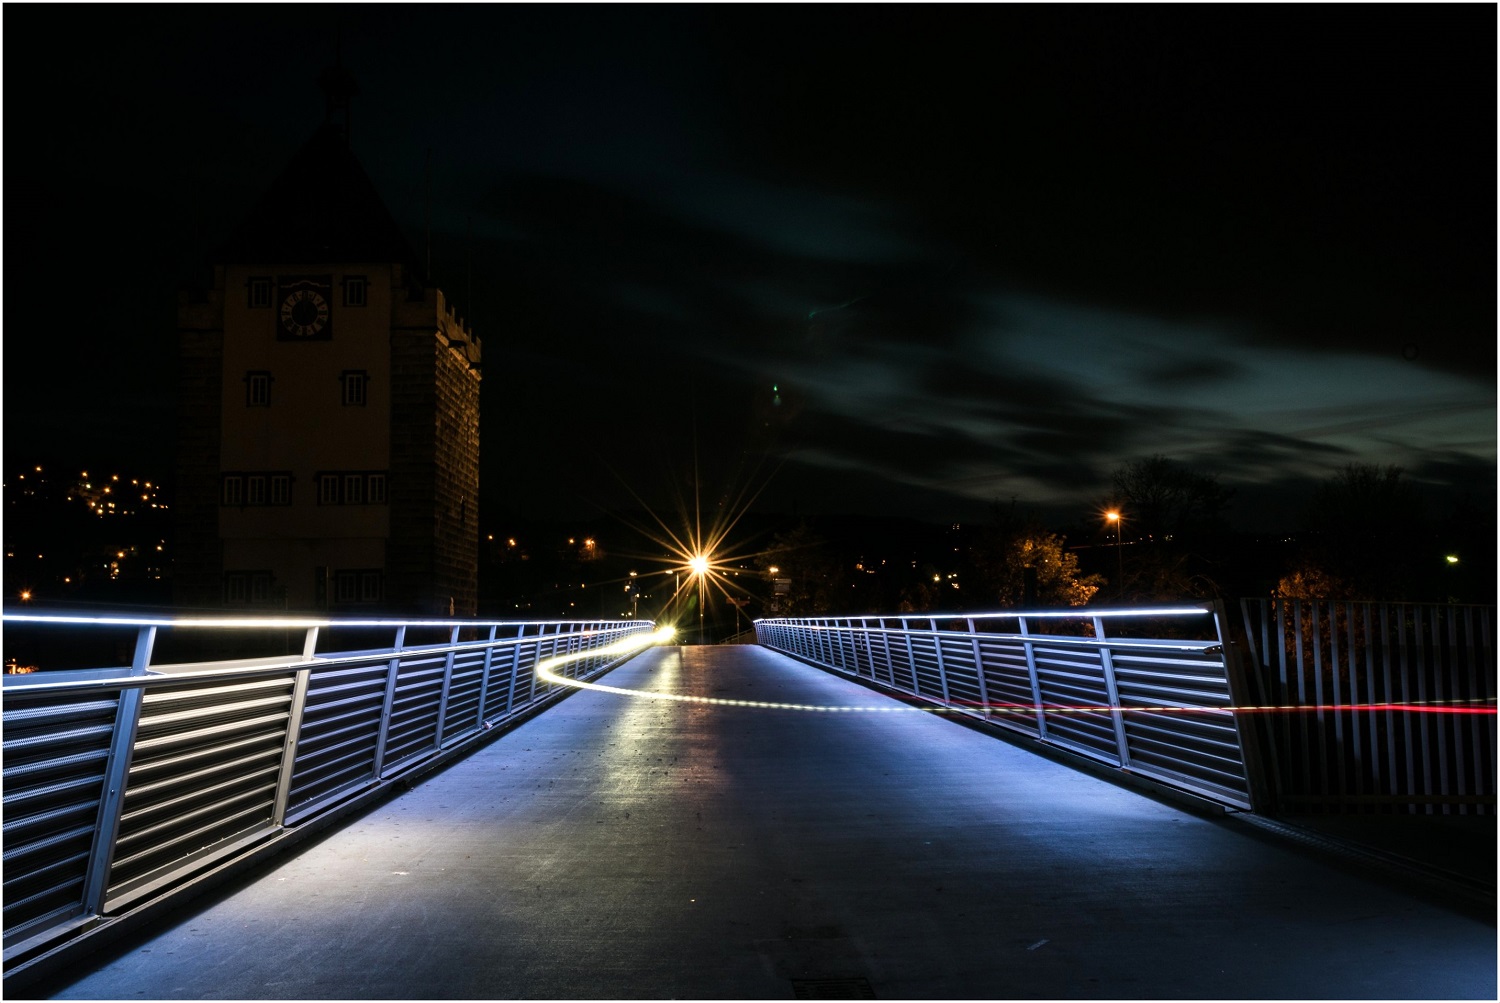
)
(433, 555)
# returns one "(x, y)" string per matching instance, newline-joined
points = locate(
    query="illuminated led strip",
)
(665, 634)
(262, 622)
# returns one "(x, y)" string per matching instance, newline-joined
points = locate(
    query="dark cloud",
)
(1192, 372)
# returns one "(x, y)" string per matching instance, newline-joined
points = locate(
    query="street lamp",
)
(698, 565)
(1118, 519)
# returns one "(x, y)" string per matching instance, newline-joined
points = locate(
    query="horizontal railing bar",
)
(1076, 613)
(261, 667)
(1039, 641)
(273, 623)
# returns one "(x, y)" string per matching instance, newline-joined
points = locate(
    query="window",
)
(356, 290)
(259, 292)
(236, 587)
(257, 388)
(353, 383)
(255, 487)
(247, 588)
(357, 585)
(350, 487)
(369, 586)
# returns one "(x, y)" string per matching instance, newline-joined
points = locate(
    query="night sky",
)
(884, 260)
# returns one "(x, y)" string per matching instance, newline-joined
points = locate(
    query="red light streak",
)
(1404, 708)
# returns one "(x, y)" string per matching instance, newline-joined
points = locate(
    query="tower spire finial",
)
(338, 88)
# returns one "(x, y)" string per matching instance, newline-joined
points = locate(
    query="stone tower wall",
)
(433, 556)
(198, 559)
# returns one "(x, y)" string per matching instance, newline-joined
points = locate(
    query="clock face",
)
(304, 310)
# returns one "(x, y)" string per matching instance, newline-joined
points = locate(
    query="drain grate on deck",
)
(854, 988)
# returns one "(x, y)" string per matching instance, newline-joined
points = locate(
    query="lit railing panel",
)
(122, 784)
(203, 770)
(56, 753)
(1160, 708)
(339, 732)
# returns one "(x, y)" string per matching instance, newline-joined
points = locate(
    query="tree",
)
(1366, 538)
(814, 574)
(1163, 499)
(1019, 563)
(1169, 512)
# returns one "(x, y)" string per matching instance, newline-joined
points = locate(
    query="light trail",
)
(544, 671)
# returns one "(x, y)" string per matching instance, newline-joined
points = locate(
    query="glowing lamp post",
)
(1119, 520)
(698, 565)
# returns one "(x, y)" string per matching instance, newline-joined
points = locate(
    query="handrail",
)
(37, 682)
(255, 622)
(1207, 647)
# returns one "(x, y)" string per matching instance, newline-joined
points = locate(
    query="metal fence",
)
(1158, 707)
(1388, 707)
(121, 784)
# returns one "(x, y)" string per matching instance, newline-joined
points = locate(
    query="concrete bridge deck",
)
(618, 848)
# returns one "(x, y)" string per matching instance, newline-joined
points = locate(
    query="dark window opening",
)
(258, 388)
(356, 290)
(258, 292)
(353, 384)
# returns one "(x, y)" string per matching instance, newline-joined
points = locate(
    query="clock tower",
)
(328, 456)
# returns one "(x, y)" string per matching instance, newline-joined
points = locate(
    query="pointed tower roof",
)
(323, 208)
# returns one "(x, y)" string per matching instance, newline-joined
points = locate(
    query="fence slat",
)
(1419, 679)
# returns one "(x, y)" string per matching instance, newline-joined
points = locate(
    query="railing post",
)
(1235, 656)
(868, 641)
(937, 650)
(300, 683)
(289, 749)
(116, 772)
(542, 634)
(515, 669)
(390, 697)
(442, 715)
(984, 690)
(484, 676)
(1112, 694)
(1036, 686)
(911, 656)
(885, 644)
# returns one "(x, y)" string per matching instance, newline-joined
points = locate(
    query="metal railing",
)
(1396, 705)
(1159, 708)
(123, 783)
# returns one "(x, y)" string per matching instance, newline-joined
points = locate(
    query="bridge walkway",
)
(617, 848)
